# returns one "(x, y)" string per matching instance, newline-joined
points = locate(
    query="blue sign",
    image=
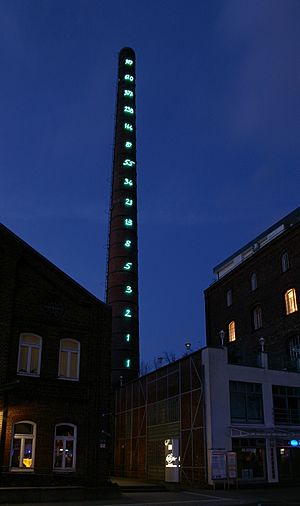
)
(294, 443)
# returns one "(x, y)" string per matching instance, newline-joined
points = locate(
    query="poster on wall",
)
(218, 465)
(231, 465)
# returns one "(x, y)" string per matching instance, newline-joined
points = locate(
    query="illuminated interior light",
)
(127, 243)
(128, 109)
(128, 289)
(128, 93)
(127, 313)
(128, 182)
(127, 363)
(127, 338)
(128, 222)
(128, 126)
(128, 144)
(127, 266)
(128, 77)
(128, 163)
(128, 62)
(128, 202)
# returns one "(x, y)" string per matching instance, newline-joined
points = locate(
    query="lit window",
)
(29, 360)
(229, 298)
(290, 301)
(65, 447)
(231, 331)
(69, 359)
(23, 446)
(253, 281)
(257, 318)
(285, 263)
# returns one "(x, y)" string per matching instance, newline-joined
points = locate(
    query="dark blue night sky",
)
(218, 120)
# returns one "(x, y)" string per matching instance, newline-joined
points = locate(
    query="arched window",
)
(69, 358)
(29, 359)
(229, 298)
(294, 347)
(290, 301)
(253, 281)
(231, 331)
(65, 447)
(23, 446)
(257, 318)
(285, 263)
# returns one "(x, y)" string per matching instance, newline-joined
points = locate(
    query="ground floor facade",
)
(201, 421)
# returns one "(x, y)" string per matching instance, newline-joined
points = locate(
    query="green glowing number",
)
(127, 363)
(127, 313)
(127, 338)
(128, 202)
(127, 243)
(128, 182)
(128, 222)
(127, 266)
(128, 93)
(128, 62)
(128, 289)
(128, 77)
(128, 163)
(128, 109)
(128, 145)
(128, 126)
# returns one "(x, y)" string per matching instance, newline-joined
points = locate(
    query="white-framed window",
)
(23, 446)
(290, 299)
(29, 358)
(231, 331)
(294, 347)
(257, 318)
(253, 281)
(285, 262)
(69, 359)
(65, 447)
(229, 298)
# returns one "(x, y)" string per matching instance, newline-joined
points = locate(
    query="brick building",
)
(232, 409)
(54, 374)
(256, 296)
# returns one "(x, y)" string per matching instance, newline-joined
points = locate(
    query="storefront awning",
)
(264, 432)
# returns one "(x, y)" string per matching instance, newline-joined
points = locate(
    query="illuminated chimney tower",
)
(122, 269)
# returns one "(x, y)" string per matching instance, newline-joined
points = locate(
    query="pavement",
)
(141, 493)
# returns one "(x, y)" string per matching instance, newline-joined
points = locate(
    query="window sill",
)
(67, 379)
(28, 374)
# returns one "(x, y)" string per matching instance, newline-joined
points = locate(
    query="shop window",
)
(290, 301)
(29, 358)
(251, 458)
(246, 402)
(285, 262)
(69, 358)
(229, 298)
(65, 447)
(257, 318)
(286, 405)
(23, 446)
(231, 332)
(253, 281)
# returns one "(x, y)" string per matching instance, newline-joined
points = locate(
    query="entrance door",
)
(288, 464)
